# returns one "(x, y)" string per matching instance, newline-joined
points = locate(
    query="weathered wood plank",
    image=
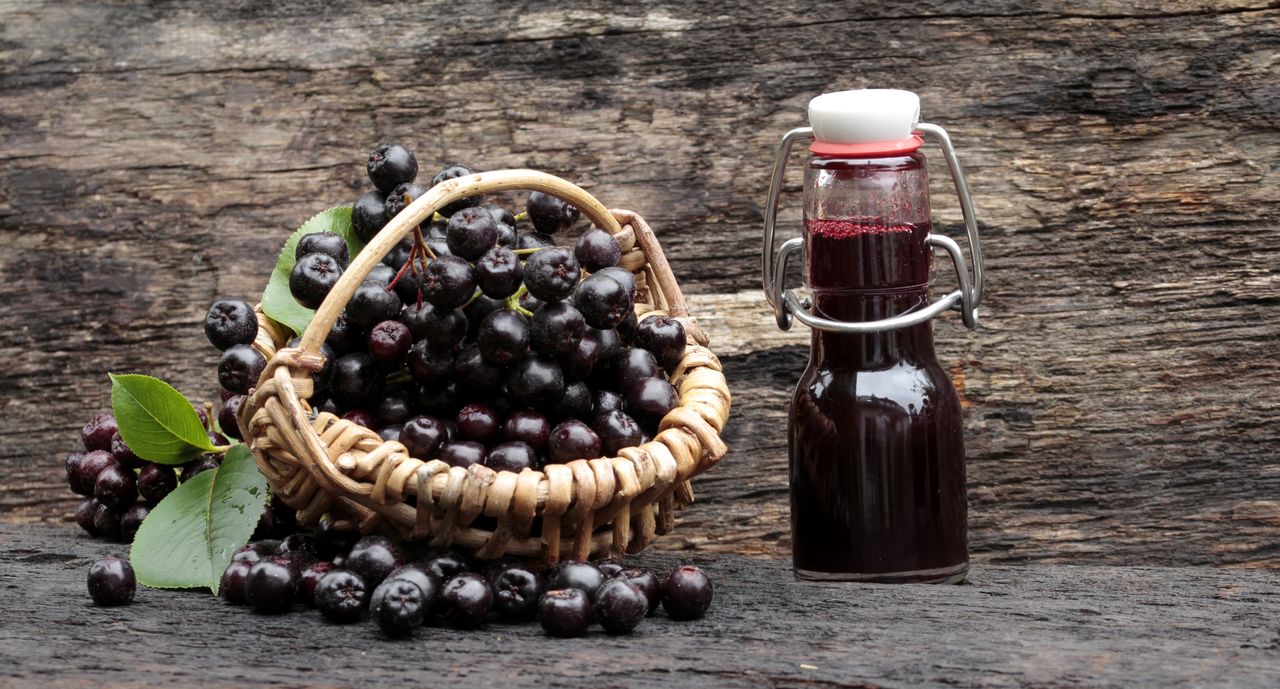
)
(1042, 625)
(1122, 158)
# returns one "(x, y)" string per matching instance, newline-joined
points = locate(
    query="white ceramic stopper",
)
(864, 116)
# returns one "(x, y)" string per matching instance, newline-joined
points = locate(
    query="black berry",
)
(155, 481)
(341, 596)
(529, 427)
(312, 278)
(448, 281)
(603, 301)
(116, 487)
(372, 304)
(440, 327)
(124, 455)
(230, 322)
(83, 473)
(551, 274)
(430, 364)
(391, 164)
(369, 215)
(550, 214)
(686, 593)
(564, 612)
(499, 272)
(398, 606)
(473, 369)
(513, 456)
(616, 431)
(231, 585)
(647, 582)
(465, 600)
(356, 379)
(373, 558)
(556, 329)
(311, 577)
(96, 434)
(535, 381)
(330, 244)
(619, 606)
(575, 574)
(534, 240)
(422, 436)
(471, 232)
(516, 589)
(462, 453)
(597, 249)
(389, 343)
(649, 399)
(503, 337)
(478, 422)
(580, 362)
(453, 172)
(111, 582)
(240, 367)
(400, 197)
(444, 564)
(227, 422)
(271, 586)
(131, 520)
(572, 440)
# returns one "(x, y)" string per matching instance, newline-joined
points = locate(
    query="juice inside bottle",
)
(875, 440)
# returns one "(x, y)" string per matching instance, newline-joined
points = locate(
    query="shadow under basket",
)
(320, 464)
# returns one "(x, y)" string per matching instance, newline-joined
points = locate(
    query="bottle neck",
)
(912, 345)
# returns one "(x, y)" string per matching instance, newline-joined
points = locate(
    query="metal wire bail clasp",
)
(787, 305)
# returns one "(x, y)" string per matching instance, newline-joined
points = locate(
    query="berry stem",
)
(533, 250)
(513, 302)
(474, 296)
(522, 215)
(437, 217)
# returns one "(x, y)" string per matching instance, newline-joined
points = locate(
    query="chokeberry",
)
(616, 431)
(311, 577)
(356, 379)
(330, 244)
(462, 453)
(529, 427)
(449, 172)
(686, 593)
(389, 343)
(471, 232)
(83, 472)
(619, 606)
(575, 574)
(231, 585)
(603, 301)
(198, 466)
(430, 364)
(627, 328)
(474, 370)
(423, 437)
(240, 367)
(341, 596)
(550, 214)
(271, 586)
(393, 409)
(96, 434)
(624, 277)
(556, 329)
(425, 579)
(647, 582)
(572, 440)
(631, 365)
(312, 278)
(535, 381)
(664, 336)
(85, 512)
(116, 487)
(465, 600)
(564, 612)
(345, 335)
(111, 582)
(131, 520)
(513, 456)
(576, 402)
(499, 272)
(444, 564)
(400, 197)
(608, 344)
(649, 399)
(534, 240)
(448, 281)
(106, 521)
(581, 361)
(155, 481)
(439, 399)
(372, 304)
(369, 215)
(391, 433)
(398, 606)
(389, 165)
(227, 422)
(478, 422)
(230, 322)
(124, 455)
(607, 401)
(476, 311)
(440, 327)
(610, 568)
(551, 274)
(382, 273)
(516, 589)
(503, 337)
(597, 249)
(373, 557)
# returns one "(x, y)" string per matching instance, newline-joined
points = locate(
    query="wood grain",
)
(1124, 160)
(1040, 625)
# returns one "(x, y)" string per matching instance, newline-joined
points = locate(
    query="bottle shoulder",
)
(906, 386)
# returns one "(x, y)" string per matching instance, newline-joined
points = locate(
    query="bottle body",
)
(874, 434)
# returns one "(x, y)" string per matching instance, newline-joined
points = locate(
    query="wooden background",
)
(1124, 157)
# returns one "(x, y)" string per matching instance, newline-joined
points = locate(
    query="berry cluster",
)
(120, 488)
(475, 343)
(346, 581)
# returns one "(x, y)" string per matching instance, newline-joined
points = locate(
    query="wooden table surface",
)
(1124, 159)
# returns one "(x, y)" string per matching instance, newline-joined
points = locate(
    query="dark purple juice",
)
(875, 442)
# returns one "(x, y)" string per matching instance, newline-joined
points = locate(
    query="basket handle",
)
(424, 208)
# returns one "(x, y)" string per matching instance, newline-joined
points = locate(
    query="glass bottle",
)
(875, 442)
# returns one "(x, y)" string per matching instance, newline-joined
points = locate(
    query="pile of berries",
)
(475, 342)
(372, 577)
(120, 488)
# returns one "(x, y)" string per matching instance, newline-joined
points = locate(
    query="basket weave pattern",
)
(321, 464)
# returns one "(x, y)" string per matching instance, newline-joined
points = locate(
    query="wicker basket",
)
(321, 464)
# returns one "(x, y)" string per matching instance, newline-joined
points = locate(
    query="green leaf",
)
(156, 421)
(188, 539)
(277, 302)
